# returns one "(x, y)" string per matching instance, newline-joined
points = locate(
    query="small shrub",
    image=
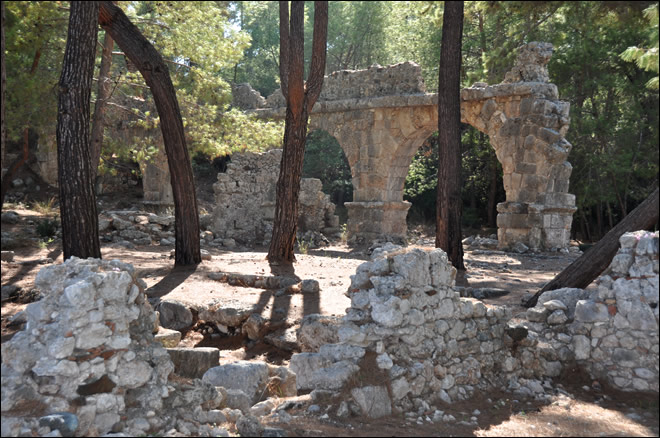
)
(46, 207)
(47, 228)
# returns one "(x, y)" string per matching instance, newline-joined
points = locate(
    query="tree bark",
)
(596, 259)
(448, 210)
(102, 96)
(156, 74)
(80, 234)
(300, 98)
(3, 133)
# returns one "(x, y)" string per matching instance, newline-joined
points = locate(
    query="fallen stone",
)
(220, 313)
(174, 315)
(253, 326)
(262, 408)
(237, 399)
(285, 338)
(316, 330)
(167, 337)
(194, 362)
(7, 256)
(248, 425)
(65, 422)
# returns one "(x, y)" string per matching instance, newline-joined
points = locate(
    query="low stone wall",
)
(408, 321)
(611, 332)
(431, 343)
(245, 200)
(87, 363)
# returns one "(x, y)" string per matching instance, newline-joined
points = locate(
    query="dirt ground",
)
(580, 407)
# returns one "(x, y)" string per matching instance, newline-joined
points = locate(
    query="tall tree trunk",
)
(596, 259)
(156, 74)
(102, 96)
(448, 210)
(3, 133)
(80, 232)
(300, 99)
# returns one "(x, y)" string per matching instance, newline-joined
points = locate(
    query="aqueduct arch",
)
(382, 115)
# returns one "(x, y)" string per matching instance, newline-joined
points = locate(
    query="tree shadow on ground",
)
(171, 281)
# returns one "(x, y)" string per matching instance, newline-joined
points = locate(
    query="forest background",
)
(605, 64)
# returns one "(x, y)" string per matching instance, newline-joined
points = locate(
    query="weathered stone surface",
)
(316, 330)
(248, 425)
(227, 314)
(249, 377)
(194, 362)
(245, 201)
(374, 401)
(168, 338)
(95, 341)
(174, 315)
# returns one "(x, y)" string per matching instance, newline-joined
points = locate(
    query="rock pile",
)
(245, 200)
(612, 332)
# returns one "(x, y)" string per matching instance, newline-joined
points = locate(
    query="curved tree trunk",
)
(300, 98)
(80, 232)
(448, 207)
(156, 74)
(596, 259)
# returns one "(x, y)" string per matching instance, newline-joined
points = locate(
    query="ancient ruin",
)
(245, 200)
(88, 363)
(407, 317)
(382, 115)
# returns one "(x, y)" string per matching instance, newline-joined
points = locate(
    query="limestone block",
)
(174, 315)
(374, 401)
(249, 377)
(193, 362)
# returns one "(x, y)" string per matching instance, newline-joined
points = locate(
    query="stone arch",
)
(382, 115)
(335, 196)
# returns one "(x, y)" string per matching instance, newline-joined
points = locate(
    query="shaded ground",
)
(582, 408)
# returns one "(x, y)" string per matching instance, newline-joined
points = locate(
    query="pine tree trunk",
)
(156, 74)
(102, 96)
(300, 100)
(448, 214)
(596, 259)
(3, 134)
(80, 234)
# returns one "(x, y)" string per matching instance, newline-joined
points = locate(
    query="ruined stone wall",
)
(87, 363)
(404, 78)
(430, 344)
(245, 200)
(527, 123)
(612, 332)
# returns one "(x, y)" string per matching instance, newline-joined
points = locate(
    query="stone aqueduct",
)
(382, 115)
